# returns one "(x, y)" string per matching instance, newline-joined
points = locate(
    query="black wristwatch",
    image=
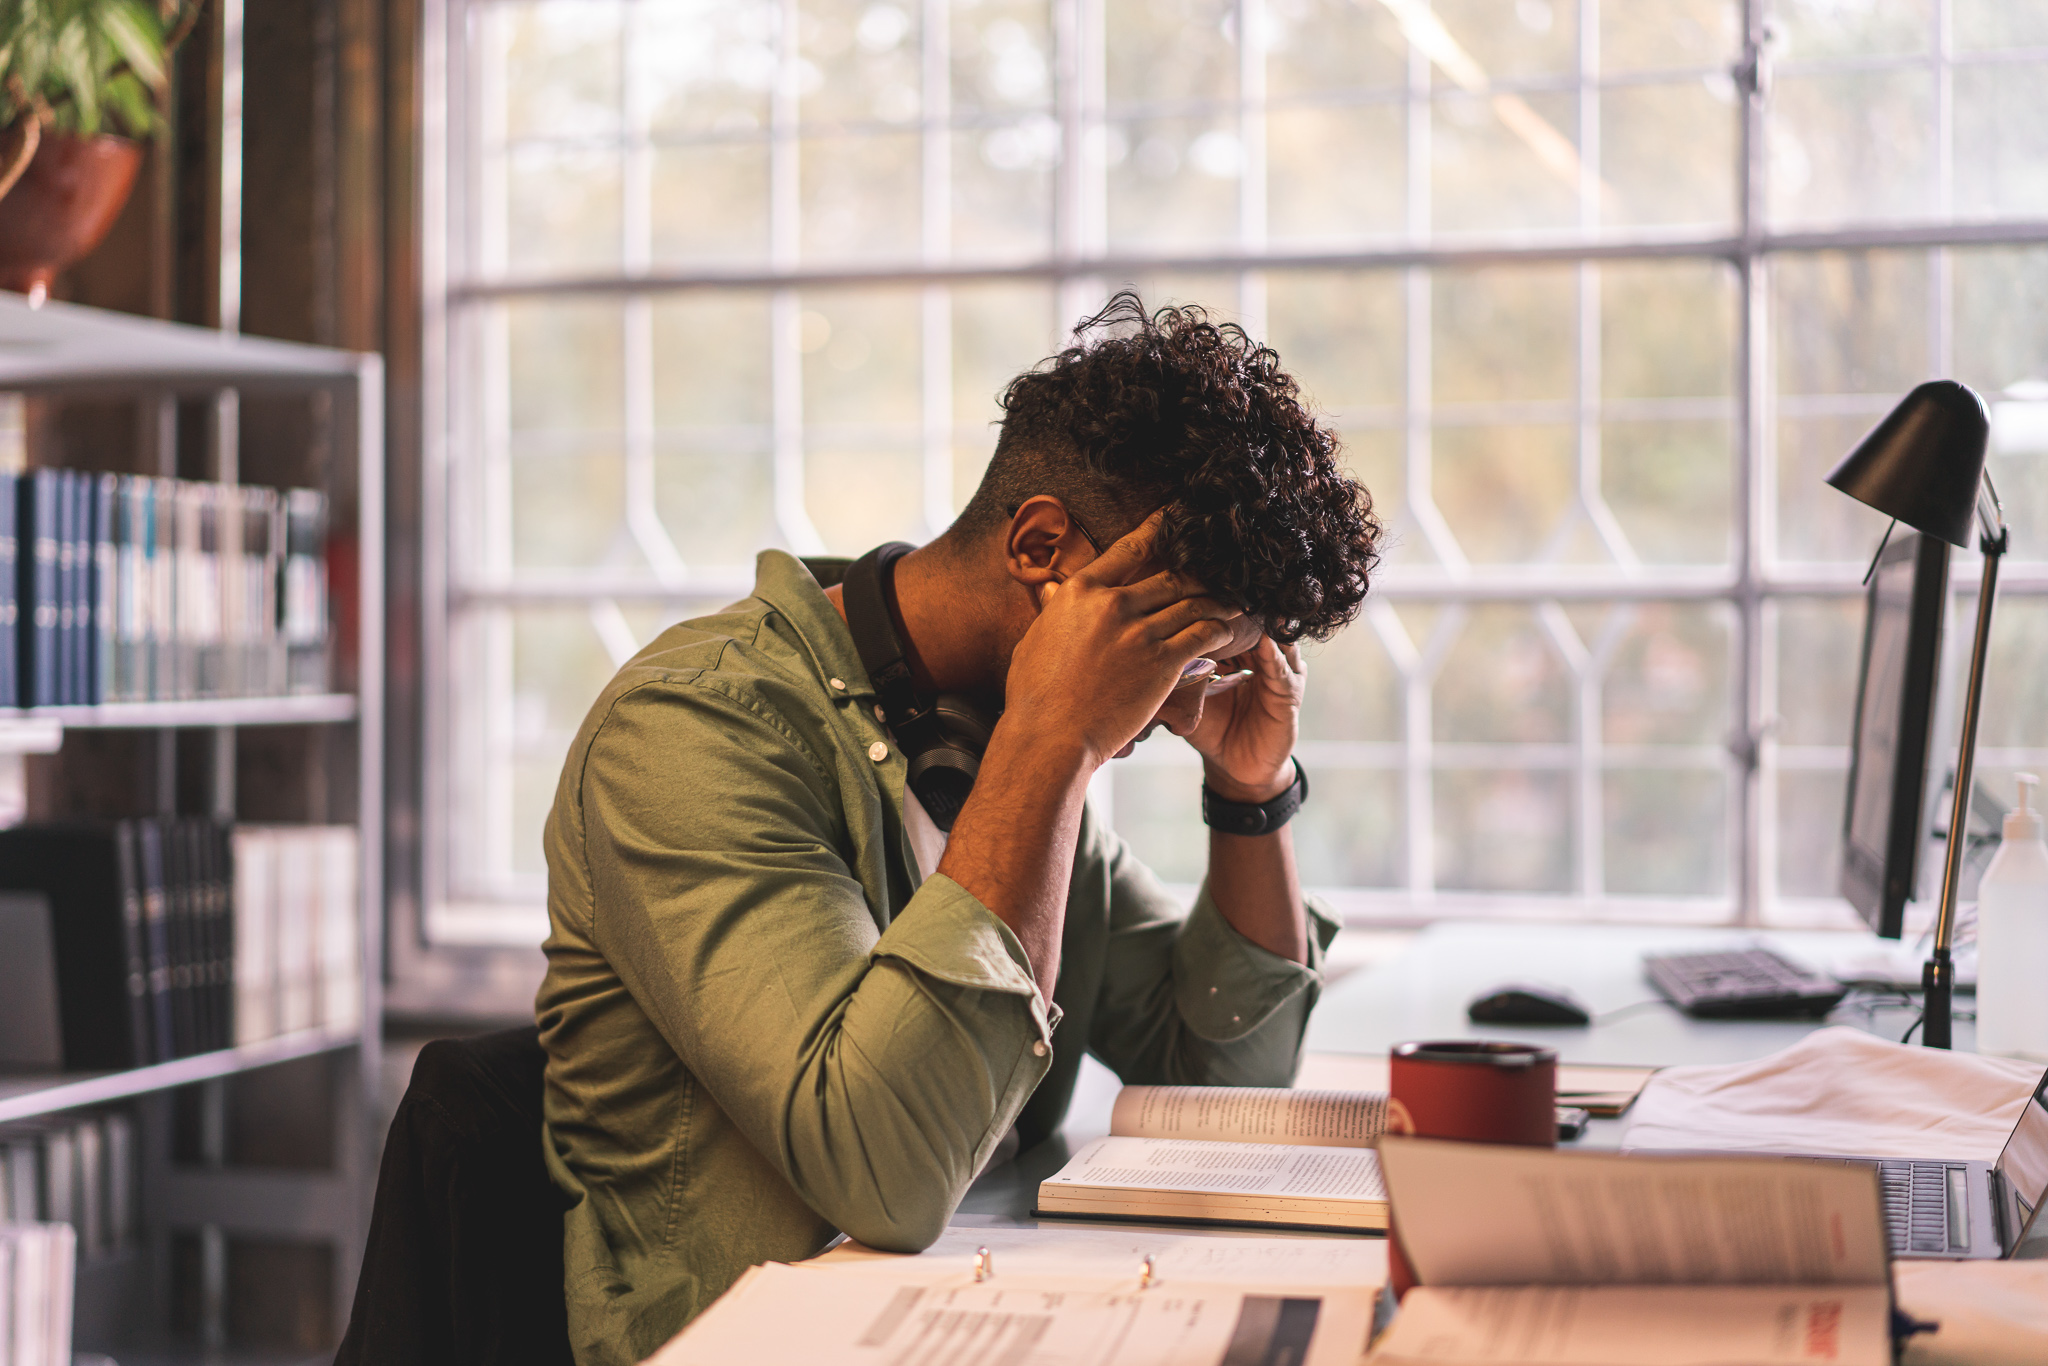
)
(1245, 818)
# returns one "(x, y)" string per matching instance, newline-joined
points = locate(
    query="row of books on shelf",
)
(67, 1191)
(148, 940)
(126, 588)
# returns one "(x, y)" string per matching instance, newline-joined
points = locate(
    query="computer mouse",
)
(1522, 1004)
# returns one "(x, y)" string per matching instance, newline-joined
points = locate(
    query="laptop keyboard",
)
(1926, 1206)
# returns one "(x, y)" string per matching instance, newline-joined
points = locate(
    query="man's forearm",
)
(1013, 844)
(1253, 882)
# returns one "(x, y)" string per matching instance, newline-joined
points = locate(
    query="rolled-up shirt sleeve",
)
(875, 1068)
(1187, 1000)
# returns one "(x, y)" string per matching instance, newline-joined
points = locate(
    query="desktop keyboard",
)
(1745, 984)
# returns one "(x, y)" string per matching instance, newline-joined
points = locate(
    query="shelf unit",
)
(64, 353)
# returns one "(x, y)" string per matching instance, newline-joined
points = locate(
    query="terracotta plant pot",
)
(63, 206)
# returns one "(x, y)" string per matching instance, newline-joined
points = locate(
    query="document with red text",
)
(1542, 1258)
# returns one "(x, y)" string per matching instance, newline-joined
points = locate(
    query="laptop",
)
(1958, 1210)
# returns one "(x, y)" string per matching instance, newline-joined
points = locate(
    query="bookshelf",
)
(200, 385)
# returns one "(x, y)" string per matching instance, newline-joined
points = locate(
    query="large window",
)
(1596, 290)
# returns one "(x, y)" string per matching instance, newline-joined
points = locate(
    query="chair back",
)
(464, 1262)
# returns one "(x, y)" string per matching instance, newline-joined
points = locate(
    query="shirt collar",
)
(781, 581)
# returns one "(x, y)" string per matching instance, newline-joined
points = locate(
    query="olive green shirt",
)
(764, 1026)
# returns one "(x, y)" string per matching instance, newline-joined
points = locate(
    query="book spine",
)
(10, 664)
(80, 654)
(156, 917)
(305, 590)
(134, 941)
(163, 532)
(39, 508)
(106, 582)
(67, 563)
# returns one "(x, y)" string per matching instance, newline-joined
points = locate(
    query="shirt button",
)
(1038, 1048)
(878, 751)
(838, 684)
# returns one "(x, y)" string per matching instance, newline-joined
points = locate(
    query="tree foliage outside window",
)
(1596, 291)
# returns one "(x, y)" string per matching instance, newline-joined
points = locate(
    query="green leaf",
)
(133, 32)
(73, 65)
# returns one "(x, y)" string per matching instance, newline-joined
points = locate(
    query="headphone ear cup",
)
(942, 774)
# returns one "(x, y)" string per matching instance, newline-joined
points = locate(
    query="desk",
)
(1421, 994)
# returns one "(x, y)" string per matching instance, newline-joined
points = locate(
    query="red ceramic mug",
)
(1471, 1090)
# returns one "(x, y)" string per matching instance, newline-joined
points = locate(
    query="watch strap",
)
(1249, 818)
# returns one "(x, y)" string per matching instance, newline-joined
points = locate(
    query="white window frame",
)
(466, 575)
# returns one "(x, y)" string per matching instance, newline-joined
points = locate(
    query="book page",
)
(1155, 1164)
(1491, 1214)
(799, 1315)
(1251, 1114)
(1057, 1249)
(1640, 1326)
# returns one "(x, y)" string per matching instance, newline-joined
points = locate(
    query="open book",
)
(1526, 1255)
(1256, 1155)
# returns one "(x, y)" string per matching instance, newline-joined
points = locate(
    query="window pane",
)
(1173, 182)
(860, 61)
(1503, 682)
(1341, 335)
(2001, 350)
(1668, 154)
(1819, 643)
(1354, 691)
(1002, 189)
(1336, 175)
(1002, 54)
(999, 331)
(863, 442)
(1652, 35)
(1667, 833)
(705, 65)
(1504, 333)
(563, 208)
(2001, 140)
(1159, 50)
(1667, 682)
(1671, 487)
(1506, 491)
(1852, 146)
(709, 204)
(1503, 832)
(1810, 29)
(714, 473)
(861, 198)
(1157, 807)
(1988, 25)
(1667, 329)
(564, 365)
(1314, 46)
(560, 77)
(1531, 38)
(1504, 163)
(1354, 833)
(1809, 831)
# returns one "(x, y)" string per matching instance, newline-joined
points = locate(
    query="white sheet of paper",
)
(1493, 1214)
(1225, 1169)
(1838, 1090)
(1251, 1114)
(1053, 1250)
(800, 1315)
(1639, 1326)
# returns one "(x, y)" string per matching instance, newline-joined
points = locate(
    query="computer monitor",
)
(1886, 820)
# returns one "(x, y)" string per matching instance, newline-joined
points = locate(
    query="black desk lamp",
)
(1924, 466)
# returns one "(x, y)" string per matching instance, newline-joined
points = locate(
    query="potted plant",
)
(80, 81)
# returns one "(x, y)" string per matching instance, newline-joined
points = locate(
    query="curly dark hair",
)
(1170, 409)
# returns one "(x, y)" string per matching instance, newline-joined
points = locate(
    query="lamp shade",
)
(1923, 463)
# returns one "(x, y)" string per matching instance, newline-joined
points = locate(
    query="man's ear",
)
(1043, 544)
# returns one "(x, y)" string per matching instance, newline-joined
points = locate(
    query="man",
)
(781, 1000)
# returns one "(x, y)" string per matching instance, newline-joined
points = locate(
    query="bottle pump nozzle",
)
(2023, 822)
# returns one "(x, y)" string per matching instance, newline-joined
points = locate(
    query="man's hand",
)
(1108, 646)
(1247, 733)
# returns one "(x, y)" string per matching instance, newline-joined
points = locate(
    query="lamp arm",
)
(1939, 978)
(1990, 515)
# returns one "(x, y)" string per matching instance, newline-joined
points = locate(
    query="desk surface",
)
(1421, 994)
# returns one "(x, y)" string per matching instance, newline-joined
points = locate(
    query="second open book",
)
(1234, 1154)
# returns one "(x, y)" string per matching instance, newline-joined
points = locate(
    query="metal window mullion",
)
(1754, 829)
(640, 511)
(1589, 114)
(1943, 47)
(1080, 194)
(785, 306)
(1252, 208)
(935, 301)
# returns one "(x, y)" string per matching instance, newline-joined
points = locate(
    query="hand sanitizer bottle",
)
(2012, 938)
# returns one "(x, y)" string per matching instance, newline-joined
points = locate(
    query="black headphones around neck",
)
(944, 738)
